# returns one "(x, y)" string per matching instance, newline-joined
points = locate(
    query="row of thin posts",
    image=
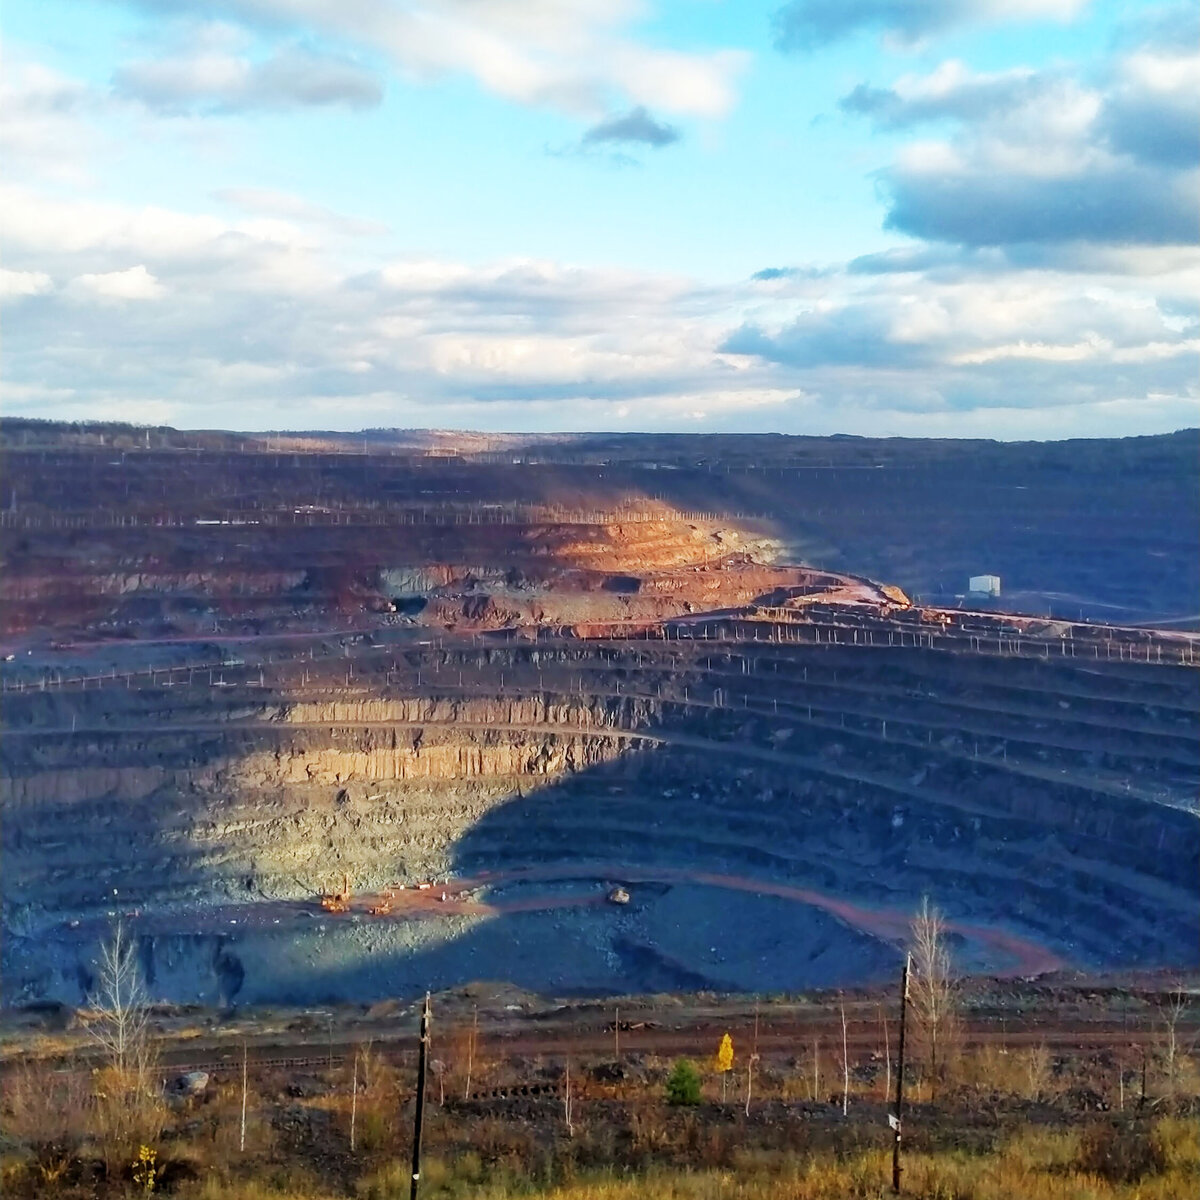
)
(895, 1118)
(335, 514)
(168, 674)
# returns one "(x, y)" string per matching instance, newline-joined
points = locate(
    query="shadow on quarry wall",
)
(1071, 527)
(666, 809)
(1126, 895)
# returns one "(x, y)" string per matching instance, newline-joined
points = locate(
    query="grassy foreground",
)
(1104, 1161)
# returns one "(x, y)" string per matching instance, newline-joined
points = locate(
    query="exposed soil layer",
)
(525, 683)
(1045, 797)
(100, 528)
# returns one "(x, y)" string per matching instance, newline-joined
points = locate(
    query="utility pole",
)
(845, 1065)
(353, 1101)
(897, 1116)
(422, 1056)
(242, 1144)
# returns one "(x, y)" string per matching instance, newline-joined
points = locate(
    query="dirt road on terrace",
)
(1019, 957)
(664, 1030)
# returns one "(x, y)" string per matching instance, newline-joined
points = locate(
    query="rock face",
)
(1036, 794)
(524, 682)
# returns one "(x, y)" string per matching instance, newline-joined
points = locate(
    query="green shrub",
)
(683, 1084)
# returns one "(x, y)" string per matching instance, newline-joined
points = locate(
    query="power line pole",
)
(897, 1116)
(242, 1143)
(422, 1056)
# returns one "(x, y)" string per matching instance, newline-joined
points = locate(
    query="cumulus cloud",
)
(1047, 157)
(134, 283)
(810, 24)
(214, 80)
(270, 202)
(16, 284)
(571, 55)
(951, 92)
(1048, 342)
(636, 127)
(1151, 112)
(42, 127)
(253, 324)
(973, 204)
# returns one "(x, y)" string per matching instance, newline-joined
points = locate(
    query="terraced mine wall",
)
(773, 803)
(254, 529)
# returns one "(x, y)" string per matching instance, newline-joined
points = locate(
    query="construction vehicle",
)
(338, 902)
(383, 906)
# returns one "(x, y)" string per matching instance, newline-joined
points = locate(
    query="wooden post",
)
(887, 1056)
(898, 1115)
(471, 1051)
(422, 1057)
(617, 1034)
(242, 1145)
(353, 1101)
(845, 1065)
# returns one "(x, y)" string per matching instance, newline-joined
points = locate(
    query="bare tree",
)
(128, 1099)
(437, 1069)
(568, 1101)
(1172, 1009)
(932, 990)
(121, 1004)
(1037, 1071)
(474, 1036)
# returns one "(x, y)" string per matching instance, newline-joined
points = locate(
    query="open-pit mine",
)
(333, 717)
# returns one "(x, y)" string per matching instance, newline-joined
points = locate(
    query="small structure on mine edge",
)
(618, 895)
(984, 585)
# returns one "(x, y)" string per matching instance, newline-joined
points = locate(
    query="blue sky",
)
(945, 217)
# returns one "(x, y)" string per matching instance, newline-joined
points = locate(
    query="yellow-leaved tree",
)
(725, 1061)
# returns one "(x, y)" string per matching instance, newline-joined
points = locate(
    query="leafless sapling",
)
(932, 989)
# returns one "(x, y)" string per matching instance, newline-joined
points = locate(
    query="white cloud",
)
(573, 55)
(270, 202)
(224, 81)
(268, 320)
(134, 283)
(44, 130)
(811, 24)
(15, 284)
(1052, 156)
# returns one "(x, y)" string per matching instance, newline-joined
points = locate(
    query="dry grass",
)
(1038, 1165)
(40, 1106)
(627, 1143)
(1161, 1162)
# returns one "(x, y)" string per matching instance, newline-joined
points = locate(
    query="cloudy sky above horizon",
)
(944, 217)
